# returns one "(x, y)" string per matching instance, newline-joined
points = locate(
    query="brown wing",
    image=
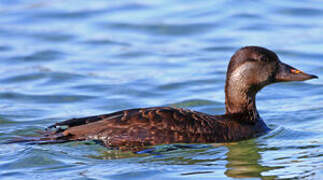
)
(135, 128)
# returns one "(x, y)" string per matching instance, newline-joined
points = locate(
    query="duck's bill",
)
(289, 73)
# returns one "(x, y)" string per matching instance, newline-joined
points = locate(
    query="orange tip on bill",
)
(295, 71)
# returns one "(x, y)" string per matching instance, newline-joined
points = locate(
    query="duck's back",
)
(142, 127)
(136, 128)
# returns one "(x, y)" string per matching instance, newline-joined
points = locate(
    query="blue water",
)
(63, 59)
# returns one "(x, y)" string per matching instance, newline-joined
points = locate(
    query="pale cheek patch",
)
(249, 72)
(246, 72)
(240, 72)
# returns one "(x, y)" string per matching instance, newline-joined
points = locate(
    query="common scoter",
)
(250, 69)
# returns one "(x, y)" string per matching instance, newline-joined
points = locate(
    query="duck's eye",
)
(295, 71)
(264, 59)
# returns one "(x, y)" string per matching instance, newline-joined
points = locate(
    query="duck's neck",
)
(240, 99)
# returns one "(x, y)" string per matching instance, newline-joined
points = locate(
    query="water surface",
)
(64, 59)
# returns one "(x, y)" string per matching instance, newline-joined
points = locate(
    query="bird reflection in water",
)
(244, 161)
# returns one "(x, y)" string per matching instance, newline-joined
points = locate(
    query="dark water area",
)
(64, 59)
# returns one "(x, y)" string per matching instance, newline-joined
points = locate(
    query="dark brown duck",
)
(250, 69)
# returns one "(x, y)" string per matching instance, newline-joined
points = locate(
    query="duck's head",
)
(250, 69)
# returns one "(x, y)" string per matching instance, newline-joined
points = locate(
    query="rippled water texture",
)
(63, 59)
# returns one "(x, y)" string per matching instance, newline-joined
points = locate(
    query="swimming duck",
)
(250, 69)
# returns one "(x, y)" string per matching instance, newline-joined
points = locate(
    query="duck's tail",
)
(56, 133)
(47, 137)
